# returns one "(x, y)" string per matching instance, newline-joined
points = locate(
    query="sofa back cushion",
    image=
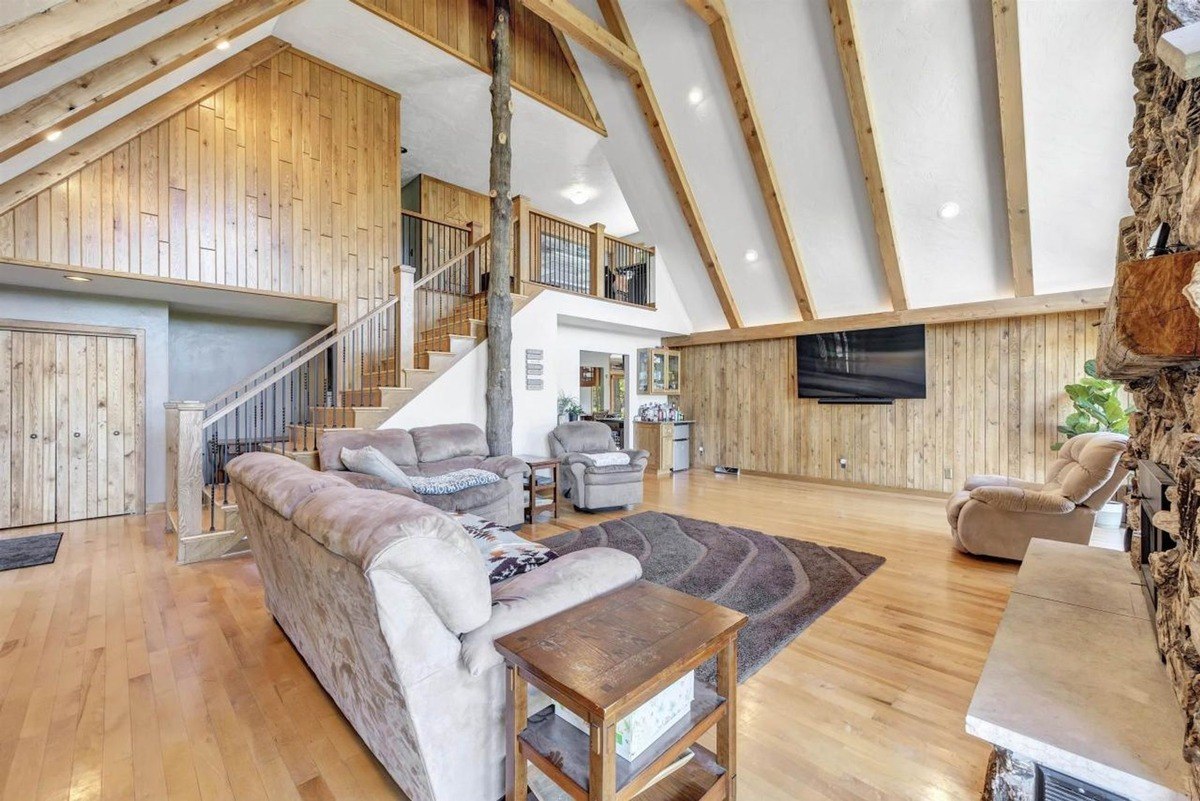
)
(280, 482)
(581, 436)
(394, 443)
(1085, 465)
(379, 531)
(449, 441)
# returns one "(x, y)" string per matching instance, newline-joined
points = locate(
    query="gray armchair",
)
(588, 484)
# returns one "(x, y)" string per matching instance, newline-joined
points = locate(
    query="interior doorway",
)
(604, 391)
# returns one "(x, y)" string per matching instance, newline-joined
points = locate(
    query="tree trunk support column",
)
(499, 315)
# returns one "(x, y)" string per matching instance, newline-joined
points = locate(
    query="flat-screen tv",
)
(879, 364)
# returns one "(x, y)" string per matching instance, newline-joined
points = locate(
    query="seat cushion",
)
(468, 500)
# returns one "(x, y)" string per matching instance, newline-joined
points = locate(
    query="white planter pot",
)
(1112, 515)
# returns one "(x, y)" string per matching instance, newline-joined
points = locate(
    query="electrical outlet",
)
(842, 462)
(700, 449)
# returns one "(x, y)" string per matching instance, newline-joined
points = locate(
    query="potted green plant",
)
(1098, 407)
(568, 407)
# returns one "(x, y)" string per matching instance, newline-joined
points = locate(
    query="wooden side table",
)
(541, 492)
(604, 659)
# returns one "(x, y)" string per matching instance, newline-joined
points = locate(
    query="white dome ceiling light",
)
(751, 255)
(695, 95)
(949, 211)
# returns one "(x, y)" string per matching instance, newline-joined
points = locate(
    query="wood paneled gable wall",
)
(286, 178)
(543, 66)
(442, 200)
(994, 399)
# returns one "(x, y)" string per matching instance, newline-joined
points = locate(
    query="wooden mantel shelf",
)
(1151, 321)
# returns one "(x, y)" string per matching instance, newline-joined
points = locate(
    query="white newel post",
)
(406, 333)
(187, 475)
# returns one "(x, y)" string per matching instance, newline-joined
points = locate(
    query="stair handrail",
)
(246, 384)
(300, 361)
(486, 239)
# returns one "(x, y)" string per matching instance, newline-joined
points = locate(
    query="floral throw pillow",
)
(506, 553)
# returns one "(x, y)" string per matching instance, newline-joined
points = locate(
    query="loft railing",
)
(427, 243)
(562, 253)
(566, 255)
(628, 272)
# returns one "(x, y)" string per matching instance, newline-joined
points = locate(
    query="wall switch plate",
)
(842, 462)
(948, 473)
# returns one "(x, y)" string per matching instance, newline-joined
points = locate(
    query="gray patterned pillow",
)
(506, 553)
(452, 482)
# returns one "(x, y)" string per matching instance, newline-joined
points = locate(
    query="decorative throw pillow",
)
(452, 482)
(506, 553)
(371, 462)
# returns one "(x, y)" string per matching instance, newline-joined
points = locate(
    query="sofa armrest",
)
(504, 466)
(975, 482)
(559, 585)
(637, 456)
(577, 458)
(1015, 499)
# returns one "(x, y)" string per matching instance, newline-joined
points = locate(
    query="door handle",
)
(33, 436)
(76, 435)
(116, 433)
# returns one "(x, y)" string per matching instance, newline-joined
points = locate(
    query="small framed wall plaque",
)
(534, 369)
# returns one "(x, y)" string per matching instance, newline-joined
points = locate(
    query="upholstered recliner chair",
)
(998, 516)
(587, 479)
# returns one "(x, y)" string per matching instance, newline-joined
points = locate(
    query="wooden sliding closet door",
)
(70, 421)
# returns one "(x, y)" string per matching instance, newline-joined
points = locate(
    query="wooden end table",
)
(546, 492)
(604, 659)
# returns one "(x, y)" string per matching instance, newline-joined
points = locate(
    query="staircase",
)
(355, 378)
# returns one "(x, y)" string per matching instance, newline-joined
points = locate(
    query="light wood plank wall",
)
(541, 66)
(285, 179)
(442, 200)
(994, 399)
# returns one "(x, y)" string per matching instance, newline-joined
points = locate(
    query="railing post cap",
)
(189, 406)
(405, 268)
(171, 405)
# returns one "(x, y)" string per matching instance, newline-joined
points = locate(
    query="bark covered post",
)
(499, 298)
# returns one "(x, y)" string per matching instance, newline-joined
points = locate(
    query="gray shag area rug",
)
(782, 584)
(36, 549)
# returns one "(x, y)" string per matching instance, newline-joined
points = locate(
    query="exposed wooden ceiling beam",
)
(980, 310)
(716, 15)
(67, 28)
(845, 36)
(77, 99)
(84, 152)
(674, 167)
(1012, 138)
(564, 16)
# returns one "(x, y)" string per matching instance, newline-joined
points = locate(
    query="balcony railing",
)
(427, 243)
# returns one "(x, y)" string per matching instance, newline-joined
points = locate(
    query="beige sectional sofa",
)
(388, 600)
(432, 451)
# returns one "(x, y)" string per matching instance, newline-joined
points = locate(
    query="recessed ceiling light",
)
(79, 278)
(751, 255)
(949, 211)
(53, 136)
(695, 95)
(223, 44)
(579, 194)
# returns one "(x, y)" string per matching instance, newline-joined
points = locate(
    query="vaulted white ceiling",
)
(930, 71)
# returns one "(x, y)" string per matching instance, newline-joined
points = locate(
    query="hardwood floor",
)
(124, 676)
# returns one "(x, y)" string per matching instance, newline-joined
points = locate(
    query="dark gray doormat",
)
(36, 549)
(782, 584)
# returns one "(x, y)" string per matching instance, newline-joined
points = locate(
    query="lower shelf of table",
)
(561, 751)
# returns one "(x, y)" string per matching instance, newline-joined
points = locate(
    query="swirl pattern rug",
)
(781, 584)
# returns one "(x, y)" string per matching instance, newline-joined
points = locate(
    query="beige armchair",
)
(998, 516)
